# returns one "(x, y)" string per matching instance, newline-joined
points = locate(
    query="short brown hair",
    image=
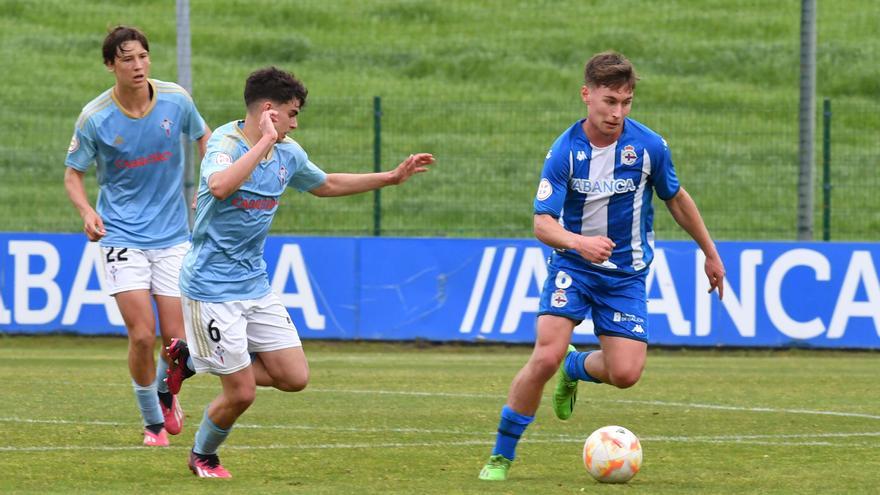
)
(610, 69)
(119, 35)
(275, 85)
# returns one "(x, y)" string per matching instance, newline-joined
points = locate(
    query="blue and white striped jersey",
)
(225, 262)
(140, 165)
(607, 191)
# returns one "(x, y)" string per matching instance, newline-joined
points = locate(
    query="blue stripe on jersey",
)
(608, 191)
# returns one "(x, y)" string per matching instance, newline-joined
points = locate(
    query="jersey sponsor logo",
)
(618, 316)
(614, 186)
(223, 159)
(581, 155)
(74, 144)
(628, 155)
(166, 126)
(544, 190)
(254, 204)
(144, 160)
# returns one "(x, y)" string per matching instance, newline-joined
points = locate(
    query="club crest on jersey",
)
(559, 299)
(581, 156)
(544, 190)
(166, 126)
(74, 144)
(282, 174)
(223, 159)
(628, 155)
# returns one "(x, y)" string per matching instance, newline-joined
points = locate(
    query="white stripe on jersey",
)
(638, 252)
(594, 219)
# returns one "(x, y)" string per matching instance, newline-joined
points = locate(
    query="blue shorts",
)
(619, 303)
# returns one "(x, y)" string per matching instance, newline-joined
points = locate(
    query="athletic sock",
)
(166, 399)
(148, 402)
(190, 367)
(156, 428)
(510, 429)
(161, 374)
(574, 367)
(209, 437)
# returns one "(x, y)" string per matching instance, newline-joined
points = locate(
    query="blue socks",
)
(209, 437)
(161, 373)
(510, 429)
(148, 402)
(574, 366)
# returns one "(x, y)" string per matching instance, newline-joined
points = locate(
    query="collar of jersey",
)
(247, 142)
(153, 101)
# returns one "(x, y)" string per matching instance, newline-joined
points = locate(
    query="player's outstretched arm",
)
(347, 184)
(74, 183)
(684, 211)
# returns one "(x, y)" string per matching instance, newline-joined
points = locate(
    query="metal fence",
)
(740, 164)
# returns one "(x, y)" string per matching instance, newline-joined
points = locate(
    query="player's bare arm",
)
(347, 184)
(93, 225)
(225, 182)
(203, 143)
(684, 211)
(595, 249)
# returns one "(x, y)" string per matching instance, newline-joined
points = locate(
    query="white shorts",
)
(221, 336)
(157, 270)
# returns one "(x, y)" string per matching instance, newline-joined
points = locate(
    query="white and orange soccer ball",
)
(612, 454)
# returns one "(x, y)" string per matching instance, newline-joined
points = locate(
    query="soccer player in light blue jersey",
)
(593, 206)
(133, 133)
(235, 326)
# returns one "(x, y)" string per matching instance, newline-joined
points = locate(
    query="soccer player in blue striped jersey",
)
(236, 327)
(133, 133)
(593, 206)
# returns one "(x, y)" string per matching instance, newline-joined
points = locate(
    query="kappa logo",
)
(74, 144)
(282, 174)
(549, 154)
(166, 126)
(581, 155)
(628, 155)
(638, 329)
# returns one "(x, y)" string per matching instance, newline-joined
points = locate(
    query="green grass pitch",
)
(393, 418)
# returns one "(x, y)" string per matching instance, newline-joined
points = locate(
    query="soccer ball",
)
(612, 454)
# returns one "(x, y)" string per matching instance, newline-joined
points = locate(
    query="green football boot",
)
(496, 469)
(566, 390)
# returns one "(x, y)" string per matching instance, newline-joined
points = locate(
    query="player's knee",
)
(293, 383)
(241, 399)
(624, 377)
(545, 364)
(141, 342)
